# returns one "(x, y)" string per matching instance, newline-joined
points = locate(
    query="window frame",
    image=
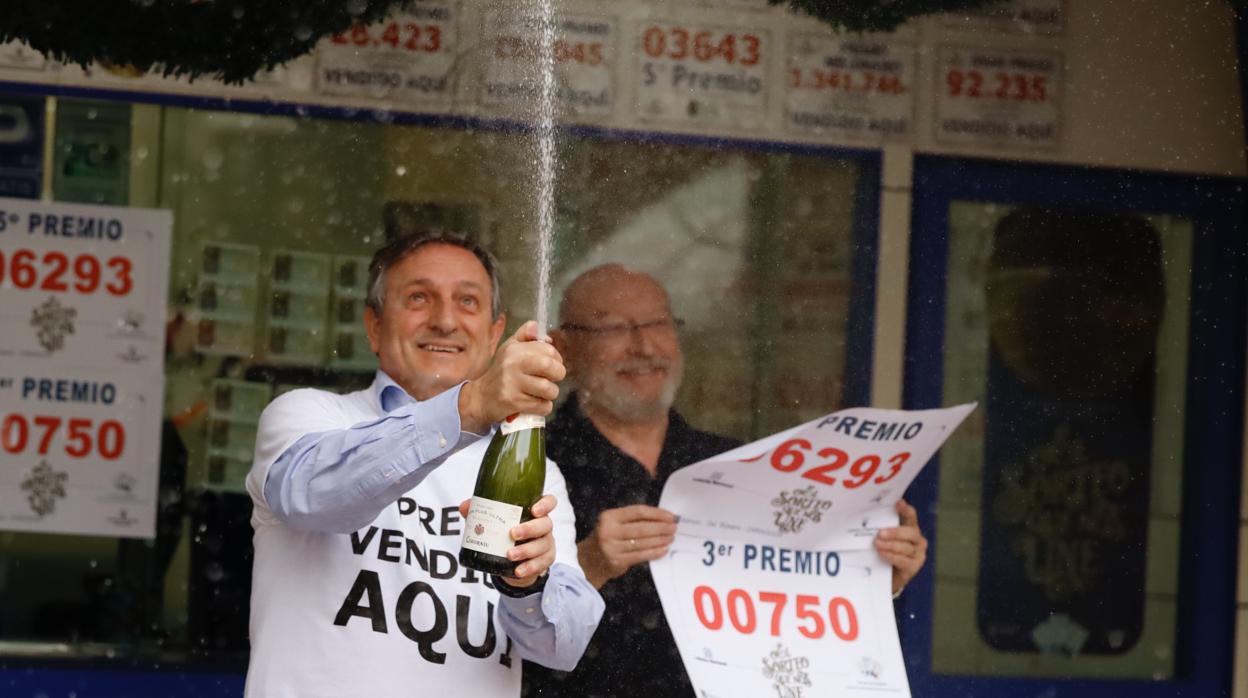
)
(56, 668)
(1213, 415)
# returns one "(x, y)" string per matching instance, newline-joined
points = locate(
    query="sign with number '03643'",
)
(773, 586)
(82, 336)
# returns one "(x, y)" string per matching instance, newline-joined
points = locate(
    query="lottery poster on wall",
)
(998, 97)
(82, 337)
(584, 62)
(409, 57)
(854, 87)
(773, 586)
(695, 74)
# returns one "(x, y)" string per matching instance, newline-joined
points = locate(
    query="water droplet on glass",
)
(238, 11)
(213, 158)
(214, 572)
(400, 171)
(303, 32)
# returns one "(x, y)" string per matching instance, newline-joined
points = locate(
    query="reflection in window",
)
(275, 220)
(1059, 506)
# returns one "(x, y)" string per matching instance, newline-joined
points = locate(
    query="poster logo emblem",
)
(44, 487)
(131, 322)
(52, 322)
(124, 483)
(870, 668)
(795, 508)
(788, 674)
(122, 519)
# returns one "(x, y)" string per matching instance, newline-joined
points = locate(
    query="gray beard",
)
(627, 407)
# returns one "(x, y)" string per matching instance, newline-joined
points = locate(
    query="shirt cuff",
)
(527, 611)
(536, 610)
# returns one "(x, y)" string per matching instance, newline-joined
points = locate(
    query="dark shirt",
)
(633, 652)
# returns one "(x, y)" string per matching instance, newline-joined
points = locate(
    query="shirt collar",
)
(387, 394)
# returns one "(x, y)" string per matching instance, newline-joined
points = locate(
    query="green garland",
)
(878, 15)
(234, 39)
(227, 39)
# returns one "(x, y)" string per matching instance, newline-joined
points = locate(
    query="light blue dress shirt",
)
(339, 481)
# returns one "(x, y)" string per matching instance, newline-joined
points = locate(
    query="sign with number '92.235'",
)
(82, 336)
(773, 586)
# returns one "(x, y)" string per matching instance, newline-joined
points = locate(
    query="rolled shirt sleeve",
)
(314, 476)
(553, 628)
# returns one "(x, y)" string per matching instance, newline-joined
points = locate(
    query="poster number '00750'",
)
(82, 336)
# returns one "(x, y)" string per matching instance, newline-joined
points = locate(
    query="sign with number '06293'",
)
(82, 336)
(773, 586)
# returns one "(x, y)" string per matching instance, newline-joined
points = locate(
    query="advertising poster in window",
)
(409, 57)
(21, 147)
(692, 73)
(585, 60)
(82, 340)
(852, 87)
(998, 97)
(92, 160)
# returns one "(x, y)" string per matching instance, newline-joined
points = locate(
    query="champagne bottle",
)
(511, 480)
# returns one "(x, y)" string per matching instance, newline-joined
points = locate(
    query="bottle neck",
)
(520, 422)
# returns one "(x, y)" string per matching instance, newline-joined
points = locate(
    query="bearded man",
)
(617, 440)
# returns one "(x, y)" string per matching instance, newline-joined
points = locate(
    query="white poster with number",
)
(773, 586)
(701, 74)
(852, 87)
(409, 57)
(82, 339)
(584, 63)
(998, 97)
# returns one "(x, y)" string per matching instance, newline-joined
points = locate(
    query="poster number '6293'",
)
(58, 272)
(790, 457)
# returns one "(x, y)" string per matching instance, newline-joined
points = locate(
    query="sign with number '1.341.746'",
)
(773, 587)
(82, 337)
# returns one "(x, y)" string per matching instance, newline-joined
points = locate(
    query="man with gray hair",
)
(617, 440)
(359, 502)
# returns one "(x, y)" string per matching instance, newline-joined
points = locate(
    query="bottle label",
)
(488, 527)
(520, 422)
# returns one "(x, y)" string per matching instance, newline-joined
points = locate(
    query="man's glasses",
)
(664, 326)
